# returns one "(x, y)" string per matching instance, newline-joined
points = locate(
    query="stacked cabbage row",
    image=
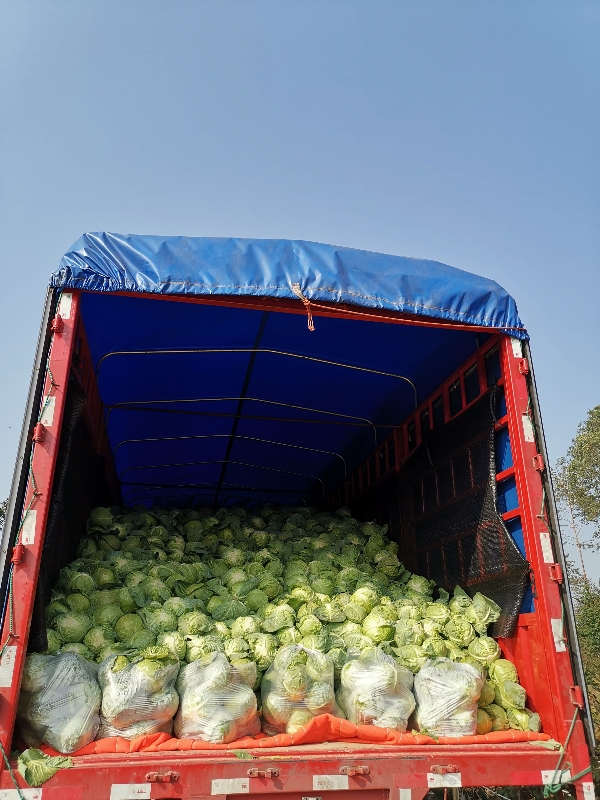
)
(245, 585)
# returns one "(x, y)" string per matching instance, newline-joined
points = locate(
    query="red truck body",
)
(544, 646)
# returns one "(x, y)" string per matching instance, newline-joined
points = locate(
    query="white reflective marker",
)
(528, 428)
(64, 309)
(517, 347)
(28, 529)
(588, 790)
(27, 794)
(451, 779)
(405, 794)
(230, 786)
(329, 782)
(130, 791)
(559, 635)
(48, 404)
(7, 668)
(547, 553)
(548, 776)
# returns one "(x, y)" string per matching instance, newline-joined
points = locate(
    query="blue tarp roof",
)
(212, 404)
(178, 265)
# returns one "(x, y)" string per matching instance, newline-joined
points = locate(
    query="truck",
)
(185, 372)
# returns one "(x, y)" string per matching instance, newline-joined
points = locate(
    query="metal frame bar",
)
(258, 350)
(212, 491)
(237, 463)
(226, 436)
(125, 405)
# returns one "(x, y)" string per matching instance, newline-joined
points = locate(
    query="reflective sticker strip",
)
(548, 776)
(441, 781)
(26, 794)
(528, 428)
(558, 634)
(7, 668)
(406, 794)
(517, 347)
(547, 553)
(588, 790)
(329, 782)
(28, 529)
(130, 791)
(48, 405)
(64, 309)
(230, 786)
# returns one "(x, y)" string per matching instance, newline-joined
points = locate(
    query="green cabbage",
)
(98, 638)
(509, 695)
(484, 722)
(498, 717)
(484, 649)
(242, 626)
(158, 620)
(487, 695)
(194, 622)
(503, 670)
(309, 625)
(72, 627)
(54, 642)
(77, 602)
(459, 631)
(107, 615)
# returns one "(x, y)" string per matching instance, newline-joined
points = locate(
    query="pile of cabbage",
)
(247, 583)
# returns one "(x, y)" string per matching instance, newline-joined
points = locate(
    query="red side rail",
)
(557, 692)
(27, 553)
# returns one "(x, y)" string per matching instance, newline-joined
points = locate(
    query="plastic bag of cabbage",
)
(376, 690)
(447, 694)
(217, 703)
(59, 702)
(139, 696)
(297, 687)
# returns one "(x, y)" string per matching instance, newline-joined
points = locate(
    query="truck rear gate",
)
(187, 372)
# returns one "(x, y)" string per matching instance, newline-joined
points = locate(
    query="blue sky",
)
(465, 132)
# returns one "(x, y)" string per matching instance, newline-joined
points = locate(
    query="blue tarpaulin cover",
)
(109, 262)
(208, 403)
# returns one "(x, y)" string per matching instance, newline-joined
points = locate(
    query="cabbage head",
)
(179, 605)
(319, 667)
(419, 584)
(270, 586)
(155, 589)
(125, 601)
(79, 649)
(378, 629)
(330, 612)
(510, 695)
(233, 557)
(289, 635)
(77, 602)
(104, 578)
(309, 625)
(298, 719)
(484, 722)
(198, 647)
(294, 681)
(72, 627)
(319, 699)
(98, 638)
(316, 641)
(281, 617)
(236, 648)
(107, 615)
(56, 607)
(365, 596)
(523, 720)
(412, 657)
(242, 626)
(434, 646)
(503, 670)
(408, 631)
(194, 623)
(81, 582)
(101, 518)
(498, 717)
(437, 612)
(355, 612)
(229, 609)
(487, 694)
(127, 626)
(459, 631)
(158, 620)
(174, 641)
(54, 642)
(263, 647)
(484, 649)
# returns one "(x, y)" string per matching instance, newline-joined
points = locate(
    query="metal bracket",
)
(556, 573)
(576, 694)
(253, 772)
(523, 366)
(354, 771)
(538, 463)
(57, 325)
(17, 554)
(444, 769)
(38, 433)
(162, 777)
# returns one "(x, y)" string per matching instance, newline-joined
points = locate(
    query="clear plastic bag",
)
(138, 697)
(447, 693)
(376, 690)
(297, 687)
(59, 701)
(217, 701)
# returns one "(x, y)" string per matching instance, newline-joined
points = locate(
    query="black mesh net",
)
(442, 509)
(79, 485)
